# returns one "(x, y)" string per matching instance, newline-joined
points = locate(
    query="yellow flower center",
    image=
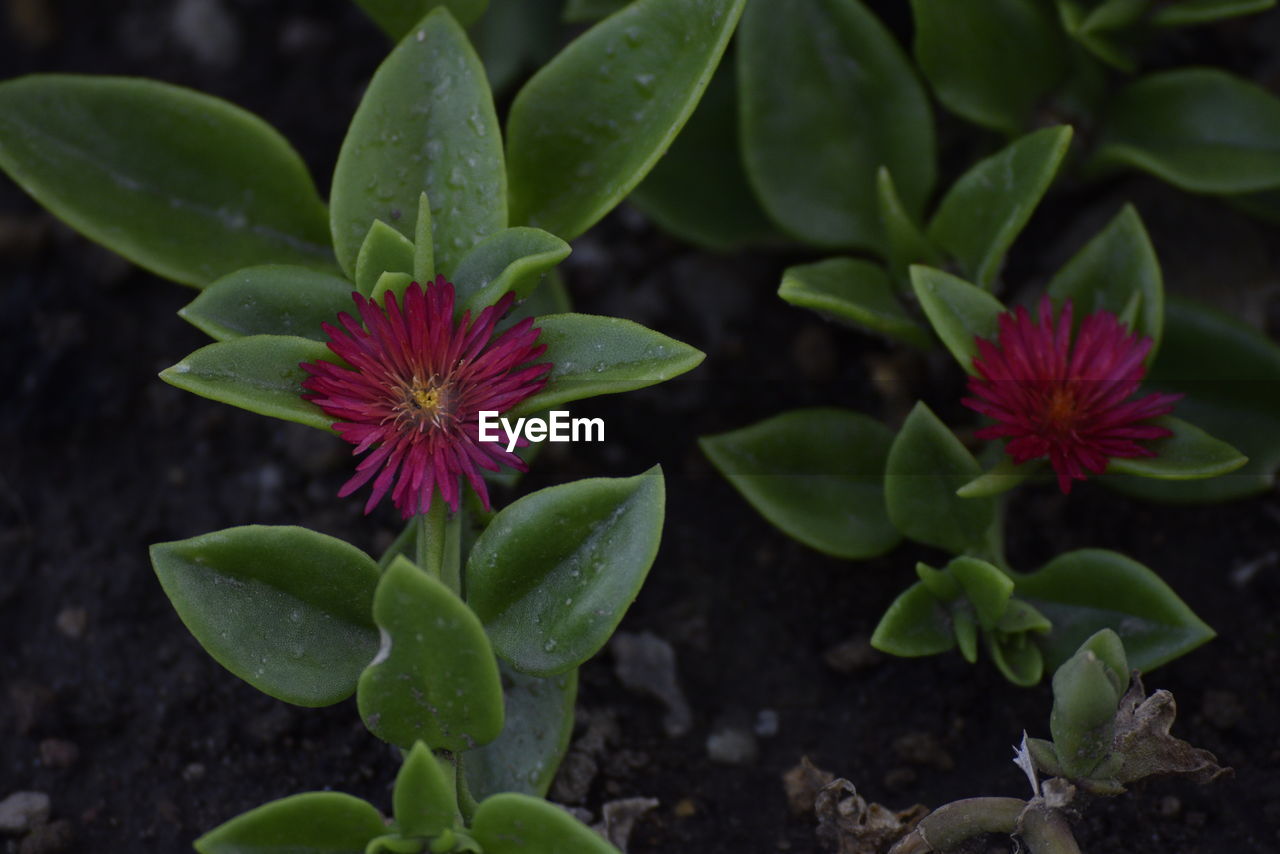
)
(423, 402)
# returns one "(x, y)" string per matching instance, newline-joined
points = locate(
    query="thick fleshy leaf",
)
(959, 312)
(539, 723)
(1189, 454)
(916, 624)
(986, 209)
(426, 124)
(985, 586)
(1000, 478)
(827, 97)
(425, 801)
(283, 608)
(270, 300)
(310, 823)
(1229, 373)
(390, 283)
(514, 259)
(1116, 264)
(856, 291)
(905, 243)
(990, 61)
(818, 474)
(384, 250)
(518, 824)
(927, 464)
(259, 373)
(435, 679)
(554, 572)
(1108, 30)
(186, 185)
(1084, 591)
(1200, 129)
(592, 355)
(698, 191)
(1185, 13)
(1016, 657)
(397, 17)
(591, 123)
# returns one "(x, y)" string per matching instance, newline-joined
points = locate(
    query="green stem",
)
(466, 802)
(431, 539)
(399, 545)
(951, 824)
(1046, 832)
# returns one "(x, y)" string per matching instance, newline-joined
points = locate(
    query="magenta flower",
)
(1068, 401)
(414, 390)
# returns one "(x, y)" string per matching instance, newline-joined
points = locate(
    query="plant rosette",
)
(1062, 386)
(421, 300)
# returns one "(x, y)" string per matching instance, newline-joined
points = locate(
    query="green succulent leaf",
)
(397, 17)
(1107, 30)
(989, 205)
(817, 474)
(965, 628)
(1200, 129)
(698, 191)
(1188, 13)
(184, 184)
(1000, 478)
(285, 609)
(985, 586)
(270, 300)
(591, 123)
(905, 242)
(513, 259)
(990, 61)
(916, 624)
(1229, 373)
(539, 724)
(1113, 267)
(554, 572)
(926, 465)
(959, 312)
(943, 585)
(1084, 591)
(390, 283)
(1189, 454)
(1016, 657)
(435, 679)
(425, 801)
(519, 824)
(426, 123)
(1085, 702)
(592, 355)
(856, 291)
(1019, 617)
(384, 250)
(827, 97)
(259, 373)
(310, 823)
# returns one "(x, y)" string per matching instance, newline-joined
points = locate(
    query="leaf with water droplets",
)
(184, 184)
(426, 123)
(435, 679)
(274, 299)
(554, 572)
(591, 124)
(286, 609)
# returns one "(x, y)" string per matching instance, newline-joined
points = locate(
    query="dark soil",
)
(142, 742)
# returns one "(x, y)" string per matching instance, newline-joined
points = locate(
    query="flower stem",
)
(431, 539)
(451, 566)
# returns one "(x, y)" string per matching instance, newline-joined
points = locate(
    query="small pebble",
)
(685, 808)
(193, 772)
(732, 746)
(899, 778)
(766, 723)
(58, 753)
(22, 811)
(852, 655)
(922, 748)
(646, 664)
(1170, 806)
(72, 622)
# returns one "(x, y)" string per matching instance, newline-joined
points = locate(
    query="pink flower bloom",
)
(414, 390)
(1068, 401)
